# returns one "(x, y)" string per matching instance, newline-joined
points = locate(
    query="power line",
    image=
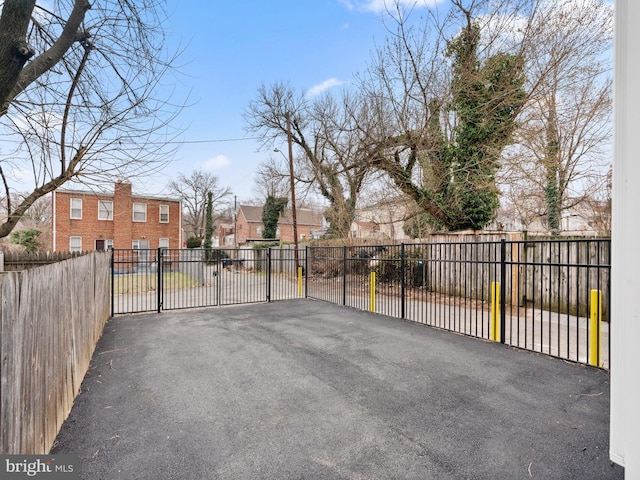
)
(219, 140)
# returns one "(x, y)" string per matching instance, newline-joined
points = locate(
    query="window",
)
(103, 245)
(139, 212)
(75, 244)
(105, 210)
(76, 208)
(259, 230)
(164, 213)
(140, 244)
(163, 243)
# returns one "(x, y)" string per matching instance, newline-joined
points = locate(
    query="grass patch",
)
(148, 282)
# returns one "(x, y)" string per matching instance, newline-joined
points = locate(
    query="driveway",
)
(308, 390)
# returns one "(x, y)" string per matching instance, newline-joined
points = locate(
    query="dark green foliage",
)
(551, 163)
(418, 226)
(273, 208)
(486, 97)
(194, 242)
(552, 194)
(208, 231)
(216, 255)
(26, 238)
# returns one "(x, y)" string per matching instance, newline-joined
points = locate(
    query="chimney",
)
(122, 215)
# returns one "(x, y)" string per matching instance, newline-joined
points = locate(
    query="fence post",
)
(495, 311)
(402, 283)
(113, 282)
(503, 289)
(269, 270)
(372, 292)
(595, 327)
(306, 269)
(344, 275)
(159, 282)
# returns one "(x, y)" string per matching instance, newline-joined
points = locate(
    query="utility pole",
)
(235, 222)
(293, 192)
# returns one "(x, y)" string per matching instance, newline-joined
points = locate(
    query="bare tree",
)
(193, 191)
(81, 95)
(323, 131)
(563, 143)
(441, 100)
(272, 179)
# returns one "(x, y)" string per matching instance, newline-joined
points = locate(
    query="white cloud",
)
(381, 6)
(323, 87)
(215, 163)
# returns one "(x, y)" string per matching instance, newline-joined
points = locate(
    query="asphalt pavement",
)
(308, 390)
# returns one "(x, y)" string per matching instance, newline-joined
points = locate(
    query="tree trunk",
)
(552, 190)
(14, 49)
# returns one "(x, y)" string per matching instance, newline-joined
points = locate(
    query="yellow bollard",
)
(595, 327)
(372, 292)
(300, 281)
(494, 334)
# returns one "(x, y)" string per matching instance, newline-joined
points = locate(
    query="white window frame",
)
(76, 208)
(142, 210)
(108, 244)
(105, 205)
(164, 207)
(75, 248)
(163, 243)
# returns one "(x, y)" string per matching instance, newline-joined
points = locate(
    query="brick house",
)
(96, 221)
(250, 227)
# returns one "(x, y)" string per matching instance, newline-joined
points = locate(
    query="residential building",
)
(249, 224)
(85, 220)
(382, 221)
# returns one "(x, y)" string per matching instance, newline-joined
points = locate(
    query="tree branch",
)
(46, 60)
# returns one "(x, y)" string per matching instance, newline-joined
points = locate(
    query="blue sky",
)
(233, 47)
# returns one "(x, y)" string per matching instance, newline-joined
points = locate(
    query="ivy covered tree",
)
(208, 231)
(486, 97)
(439, 113)
(273, 208)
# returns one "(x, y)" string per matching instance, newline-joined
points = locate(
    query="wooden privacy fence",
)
(51, 318)
(18, 261)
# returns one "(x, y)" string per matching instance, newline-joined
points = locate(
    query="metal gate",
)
(152, 280)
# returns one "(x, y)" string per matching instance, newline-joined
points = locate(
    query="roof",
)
(304, 216)
(251, 213)
(110, 194)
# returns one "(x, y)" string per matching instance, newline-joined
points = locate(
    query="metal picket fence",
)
(169, 279)
(546, 296)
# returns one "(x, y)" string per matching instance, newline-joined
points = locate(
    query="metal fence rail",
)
(546, 296)
(170, 279)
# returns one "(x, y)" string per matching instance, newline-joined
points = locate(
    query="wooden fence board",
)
(51, 319)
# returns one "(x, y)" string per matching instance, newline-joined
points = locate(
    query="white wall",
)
(625, 283)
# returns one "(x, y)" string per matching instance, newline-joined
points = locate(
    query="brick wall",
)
(122, 229)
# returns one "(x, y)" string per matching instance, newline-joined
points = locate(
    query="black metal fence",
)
(547, 296)
(169, 279)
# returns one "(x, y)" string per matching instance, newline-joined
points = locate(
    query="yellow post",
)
(495, 312)
(299, 281)
(372, 292)
(595, 327)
